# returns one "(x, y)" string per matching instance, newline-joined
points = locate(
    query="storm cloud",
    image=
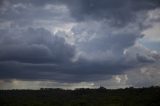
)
(117, 12)
(78, 40)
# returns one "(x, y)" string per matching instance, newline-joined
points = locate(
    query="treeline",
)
(81, 97)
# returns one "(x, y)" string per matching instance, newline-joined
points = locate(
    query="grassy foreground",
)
(81, 97)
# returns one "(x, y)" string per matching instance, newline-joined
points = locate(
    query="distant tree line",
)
(82, 97)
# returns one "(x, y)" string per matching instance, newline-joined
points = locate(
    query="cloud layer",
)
(79, 40)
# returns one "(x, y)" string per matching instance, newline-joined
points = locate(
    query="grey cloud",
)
(27, 52)
(36, 54)
(101, 40)
(138, 54)
(60, 73)
(53, 59)
(34, 46)
(144, 76)
(152, 45)
(25, 13)
(119, 13)
(145, 59)
(22, 11)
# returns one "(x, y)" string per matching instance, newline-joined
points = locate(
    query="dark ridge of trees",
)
(81, 97)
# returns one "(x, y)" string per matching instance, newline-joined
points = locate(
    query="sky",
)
(79, 44)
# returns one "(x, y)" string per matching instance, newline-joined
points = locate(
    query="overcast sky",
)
(79, 43)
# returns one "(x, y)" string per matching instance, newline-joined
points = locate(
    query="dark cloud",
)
(117, 12)
(145, 59)
(100, 42)
(22, 12)
(36, 54)
(98, 50)
(123, 10)
(34, 46)
(63, 73)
